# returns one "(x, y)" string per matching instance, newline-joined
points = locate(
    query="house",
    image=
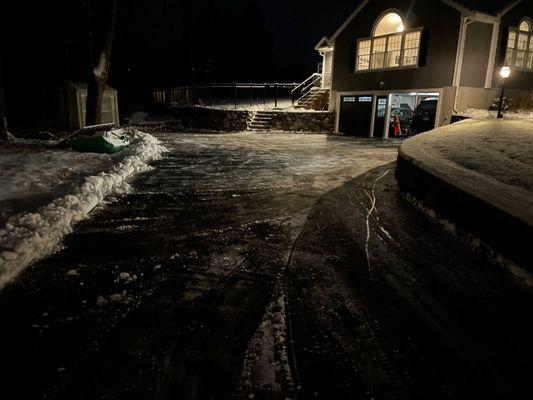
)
(391, 56)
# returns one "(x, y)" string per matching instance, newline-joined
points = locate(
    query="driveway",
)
(268, 267)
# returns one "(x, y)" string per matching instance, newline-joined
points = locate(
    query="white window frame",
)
(402, 48)
(528, 47)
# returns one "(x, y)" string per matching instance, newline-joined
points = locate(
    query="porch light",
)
(505, 72)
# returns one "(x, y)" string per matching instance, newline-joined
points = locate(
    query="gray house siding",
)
(441, 24)
(518, 79)
(476, 54)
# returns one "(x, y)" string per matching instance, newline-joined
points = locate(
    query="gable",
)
(492, 8)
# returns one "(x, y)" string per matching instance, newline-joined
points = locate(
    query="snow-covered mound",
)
(29, 237)
(489, 159)
(30, 169)
(478, 113)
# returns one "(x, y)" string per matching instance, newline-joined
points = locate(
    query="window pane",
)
(394, 46)
(520, 58)
(509, 56)
(530, 53)
(363, 55)
(411, 48)
(522, 41)
(378, 53)
(511, 43)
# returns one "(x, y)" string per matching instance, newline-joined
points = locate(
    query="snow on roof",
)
(489, 159)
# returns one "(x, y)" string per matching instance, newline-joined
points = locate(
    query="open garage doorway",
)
(412, 113)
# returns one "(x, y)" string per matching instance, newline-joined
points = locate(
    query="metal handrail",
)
(305, 82)
(312, 84)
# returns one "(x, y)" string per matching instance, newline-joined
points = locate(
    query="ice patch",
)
(30, 237)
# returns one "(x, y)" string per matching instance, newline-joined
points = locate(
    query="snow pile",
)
(480, 114)
(29, 237)
(30, 168)
(489, 159)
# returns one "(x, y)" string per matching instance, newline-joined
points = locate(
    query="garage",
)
(355, 117)
(388, 114)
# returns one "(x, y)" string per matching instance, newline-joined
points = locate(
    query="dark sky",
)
(297, 26)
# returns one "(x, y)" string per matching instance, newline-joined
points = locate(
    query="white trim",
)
(508, 8)
(459, 58)
(348, 21)
(478, 16)
(386, 126)
(492, 55)
(472, 13)
(373, 117)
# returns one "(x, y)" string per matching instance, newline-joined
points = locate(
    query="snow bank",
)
(29, 237)
(489, 159)
(30, 168)
(480, 114)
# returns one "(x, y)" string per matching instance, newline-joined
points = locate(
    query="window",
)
(394, 51)
(411, 48)
(390, 46)
(519, 52)
(378, 52)
(363, 54)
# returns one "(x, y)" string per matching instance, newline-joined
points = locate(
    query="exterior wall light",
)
(505, 73)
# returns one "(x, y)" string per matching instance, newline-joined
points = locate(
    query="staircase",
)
(316, 99)
(311, 94)
(261, 121)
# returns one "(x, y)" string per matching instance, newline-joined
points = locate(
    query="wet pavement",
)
(265, 267)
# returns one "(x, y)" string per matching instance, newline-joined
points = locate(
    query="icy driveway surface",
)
(250, 266)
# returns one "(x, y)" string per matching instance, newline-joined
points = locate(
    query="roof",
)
(83, 86)
(491, 8)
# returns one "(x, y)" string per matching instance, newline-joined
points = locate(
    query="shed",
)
(78, 102)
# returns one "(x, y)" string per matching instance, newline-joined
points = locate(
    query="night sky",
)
(166, 43)
(297, 26)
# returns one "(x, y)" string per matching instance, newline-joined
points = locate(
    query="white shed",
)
(78, 102)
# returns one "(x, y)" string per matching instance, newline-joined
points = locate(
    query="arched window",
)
(389, 24)
(520, 46)
(525, 26)
(390, 46)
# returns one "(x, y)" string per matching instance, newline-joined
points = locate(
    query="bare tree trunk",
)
(3, 119)
(100, 73)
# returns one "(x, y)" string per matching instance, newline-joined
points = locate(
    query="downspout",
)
(459, 63)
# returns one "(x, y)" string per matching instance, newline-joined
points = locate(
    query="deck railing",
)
(236, 95)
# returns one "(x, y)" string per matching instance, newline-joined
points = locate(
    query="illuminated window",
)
(520, 46)
(411, 48)
(394, 51)
(363, 54)
(378, 52)
(391, 45)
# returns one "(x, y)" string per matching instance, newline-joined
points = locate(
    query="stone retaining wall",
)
(319, 122)
(212, 119)
(505, 234)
